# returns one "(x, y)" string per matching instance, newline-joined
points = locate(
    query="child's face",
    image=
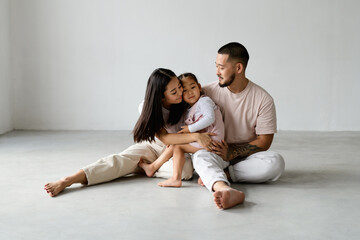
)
(191, 92)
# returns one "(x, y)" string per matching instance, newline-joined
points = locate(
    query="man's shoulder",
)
(258, 90)
(211, 85)
(211, 88)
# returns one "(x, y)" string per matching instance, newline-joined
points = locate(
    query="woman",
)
(163, 93)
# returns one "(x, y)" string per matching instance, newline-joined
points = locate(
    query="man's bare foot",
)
(170, 183)
(54, 188)
(228, 198)
(148, 168)
(200, 182)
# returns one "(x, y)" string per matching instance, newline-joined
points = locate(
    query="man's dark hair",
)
(236, 52)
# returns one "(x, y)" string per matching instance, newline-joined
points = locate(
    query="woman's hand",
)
(204, 139)
(185, 129)
(221, 149)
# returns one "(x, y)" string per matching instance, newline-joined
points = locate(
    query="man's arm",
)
(240, 151)
(261, 143)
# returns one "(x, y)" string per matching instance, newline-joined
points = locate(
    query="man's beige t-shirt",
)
(246, 114)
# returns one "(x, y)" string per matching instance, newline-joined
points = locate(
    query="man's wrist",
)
(229, 154)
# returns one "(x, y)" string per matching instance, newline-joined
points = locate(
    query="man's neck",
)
(238, 85)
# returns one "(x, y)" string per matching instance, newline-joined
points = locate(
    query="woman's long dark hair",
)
(151, 119)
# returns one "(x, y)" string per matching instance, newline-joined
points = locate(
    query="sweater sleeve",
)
(141, 106)
(205, 107)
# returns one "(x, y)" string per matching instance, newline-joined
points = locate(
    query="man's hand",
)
(221, 149)
(185, 129)
(243, 150)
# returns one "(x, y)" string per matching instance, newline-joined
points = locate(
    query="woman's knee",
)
(188, 169)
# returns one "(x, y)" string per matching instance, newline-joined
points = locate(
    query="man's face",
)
(224, 70)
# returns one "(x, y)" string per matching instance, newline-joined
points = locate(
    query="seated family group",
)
(222, 131)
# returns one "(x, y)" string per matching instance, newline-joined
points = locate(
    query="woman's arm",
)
(204, 139)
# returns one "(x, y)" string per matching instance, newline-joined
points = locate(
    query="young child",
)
(202, 116)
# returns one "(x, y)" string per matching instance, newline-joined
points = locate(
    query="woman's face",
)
(191, 92)
(173, 93)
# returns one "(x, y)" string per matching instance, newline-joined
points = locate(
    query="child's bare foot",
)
(170, 183)
(54, 188)
(228, 198)
(148, 168)
(200, 182)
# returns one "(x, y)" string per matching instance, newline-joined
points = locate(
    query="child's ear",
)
(199, 86)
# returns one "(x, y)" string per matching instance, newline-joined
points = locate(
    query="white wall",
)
(5, 80)
(84, 64)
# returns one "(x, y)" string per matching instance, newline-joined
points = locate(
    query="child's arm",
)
(207, 107)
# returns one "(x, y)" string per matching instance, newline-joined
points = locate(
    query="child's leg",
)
(151, 168)
(178, 164)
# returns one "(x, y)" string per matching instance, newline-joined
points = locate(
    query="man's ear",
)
(240, 68)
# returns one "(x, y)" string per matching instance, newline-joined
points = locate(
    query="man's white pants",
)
(259, 167)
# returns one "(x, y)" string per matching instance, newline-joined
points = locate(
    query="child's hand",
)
(185, 129)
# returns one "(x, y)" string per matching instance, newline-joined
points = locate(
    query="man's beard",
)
(228, 83)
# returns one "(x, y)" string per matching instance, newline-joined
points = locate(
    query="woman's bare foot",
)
(54, 188)
(227, 198)
(171, 182)
(200, 182)
(148, 168)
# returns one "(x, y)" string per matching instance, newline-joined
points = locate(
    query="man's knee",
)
(200, 156)
(205, 159)
(260, 167)
(274, 168)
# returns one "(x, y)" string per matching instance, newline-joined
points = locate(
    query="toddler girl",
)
(202, 116)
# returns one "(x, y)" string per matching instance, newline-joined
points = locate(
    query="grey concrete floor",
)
(317, 197)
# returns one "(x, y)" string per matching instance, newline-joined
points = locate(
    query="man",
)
(250, 123)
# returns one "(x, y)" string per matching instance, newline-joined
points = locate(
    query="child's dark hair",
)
(192, 76)
(189, 75)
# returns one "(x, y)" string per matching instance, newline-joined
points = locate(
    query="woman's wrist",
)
(197, 136)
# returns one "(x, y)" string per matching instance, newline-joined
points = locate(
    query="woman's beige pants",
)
(126, 162)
